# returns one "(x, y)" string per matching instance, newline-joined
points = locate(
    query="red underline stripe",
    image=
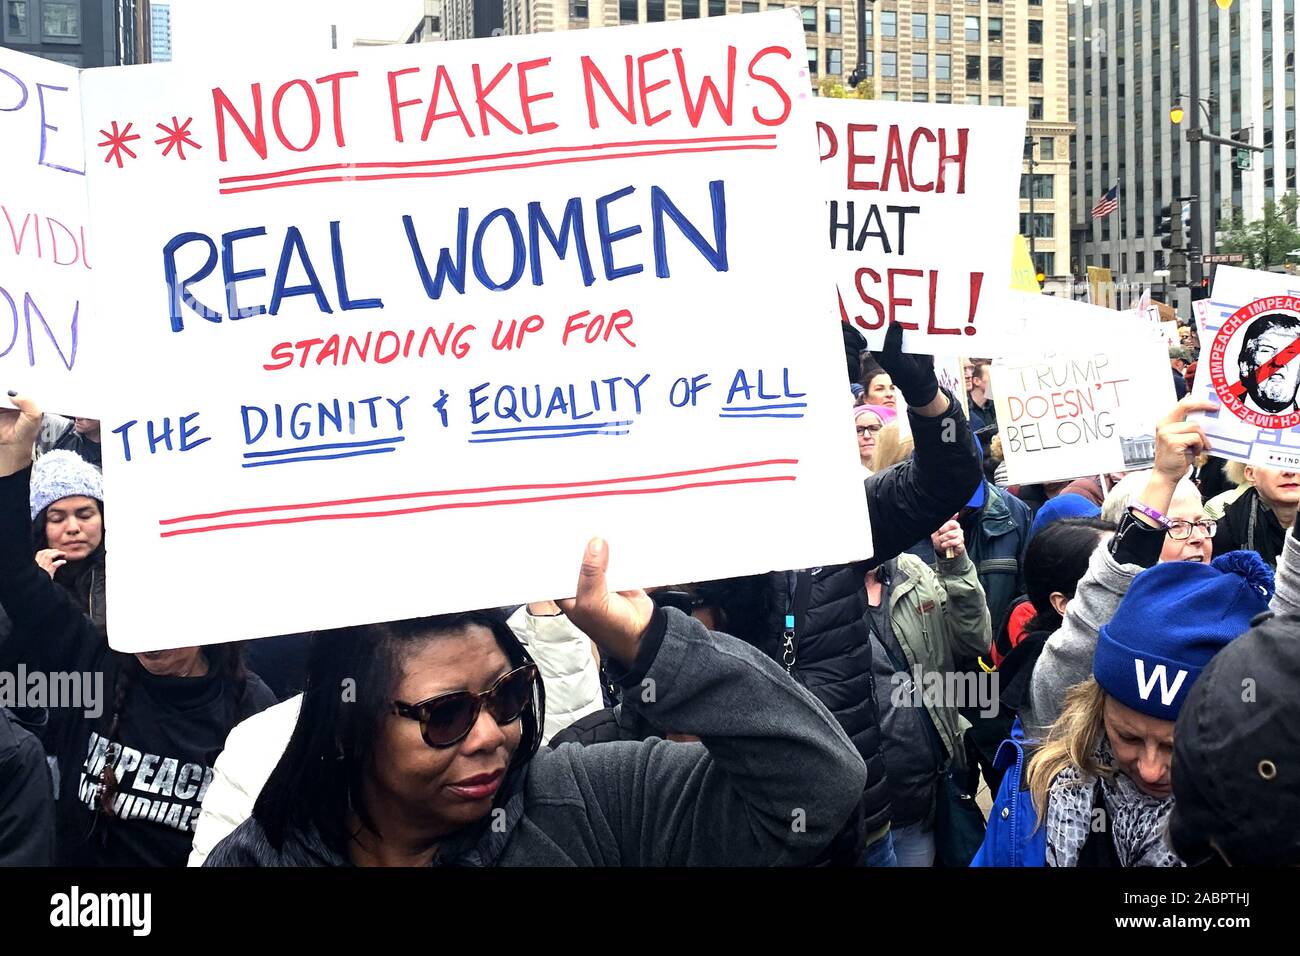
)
(491, 489)
(495, 169)
(608, 492)
(406, 164)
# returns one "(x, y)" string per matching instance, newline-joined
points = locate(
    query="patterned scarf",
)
(1137, 821)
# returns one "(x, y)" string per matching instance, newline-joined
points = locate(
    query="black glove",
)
(913, 375)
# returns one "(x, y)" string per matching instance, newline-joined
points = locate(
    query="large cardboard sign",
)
(47, 327)
(407, 327)
(920, 210)
(1250, 341)
(1088, 401)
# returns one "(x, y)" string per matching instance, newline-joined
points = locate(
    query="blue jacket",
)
(1013, 836)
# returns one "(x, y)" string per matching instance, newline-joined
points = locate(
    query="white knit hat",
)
(63, 474)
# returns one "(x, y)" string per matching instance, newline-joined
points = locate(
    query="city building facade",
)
(1129, 66)
(467, 19)
(160, 20)
(992, 54)
(81, 33)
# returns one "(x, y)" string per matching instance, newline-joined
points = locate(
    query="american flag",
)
(1107, 204)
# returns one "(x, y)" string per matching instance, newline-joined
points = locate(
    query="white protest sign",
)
(1088, 401)
(47, 328)
(435, 315)
(920, 207)
(1250, 341)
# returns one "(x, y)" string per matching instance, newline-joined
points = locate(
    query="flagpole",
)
(1115, 272)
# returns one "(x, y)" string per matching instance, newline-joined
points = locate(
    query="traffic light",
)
(1171, 227)
(1041, 277)
(1201, 290)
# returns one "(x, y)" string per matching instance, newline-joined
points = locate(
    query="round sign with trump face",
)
(1255, 362)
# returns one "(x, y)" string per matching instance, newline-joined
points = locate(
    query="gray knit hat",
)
(62, 474)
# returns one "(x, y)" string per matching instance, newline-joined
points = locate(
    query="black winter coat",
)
(829, 649)
(26, 797)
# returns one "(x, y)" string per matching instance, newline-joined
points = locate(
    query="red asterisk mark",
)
(176, 135)
(116, 141)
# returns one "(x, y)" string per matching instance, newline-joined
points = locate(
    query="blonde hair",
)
(891, 447)
(995, 448)
(1071, 742)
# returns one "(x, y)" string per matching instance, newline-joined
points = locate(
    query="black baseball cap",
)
(1236, 766)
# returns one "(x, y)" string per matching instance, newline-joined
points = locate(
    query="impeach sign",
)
(920, 210)
(408, 327)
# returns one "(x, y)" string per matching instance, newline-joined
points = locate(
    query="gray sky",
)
(236, 29)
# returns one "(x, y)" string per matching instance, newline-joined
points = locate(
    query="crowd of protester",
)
(1080, 648)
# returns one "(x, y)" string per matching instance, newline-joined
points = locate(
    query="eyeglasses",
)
(448, 719)
(864, 429)
(1180, 529)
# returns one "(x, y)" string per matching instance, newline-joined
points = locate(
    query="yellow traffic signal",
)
(1176, 114)
(1040, 277)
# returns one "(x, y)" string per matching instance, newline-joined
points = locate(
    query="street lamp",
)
(1033, 225)
(1176, 114)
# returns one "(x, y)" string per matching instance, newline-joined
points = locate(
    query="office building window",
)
(870, 63)
(995, 69)
(943, 66)
(995, 29)
(943, 97)
(972, 67)
(812, 60)
(1042, 186)
(972, 99)
(834, 61)
(972, 29)
(578, 10)
(16, 20)
(995, 100)
(942, 26)
(717, 8)
(919, 26)
(833, 20)
(889, 96)
(1044, 225)
(1045, 262)
(920, 97)
(888, 23)
(920, 66)
(888, 63)
(627, 12)
(809, 18)
(1035, 31)
(1035, 69)
(868, 22)
(1046, 147)
(745, 7)
(1036, 107)
(61, 20)
(654, 11)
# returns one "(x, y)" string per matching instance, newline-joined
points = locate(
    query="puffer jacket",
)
(933, 618)
(828, 649)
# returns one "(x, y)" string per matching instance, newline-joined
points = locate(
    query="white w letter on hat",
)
(1145, 686)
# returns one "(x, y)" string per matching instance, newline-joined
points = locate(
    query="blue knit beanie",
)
(1063, 506)
(62, 474)
(1175, 617)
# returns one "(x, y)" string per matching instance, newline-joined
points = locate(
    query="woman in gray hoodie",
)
(417, 744)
